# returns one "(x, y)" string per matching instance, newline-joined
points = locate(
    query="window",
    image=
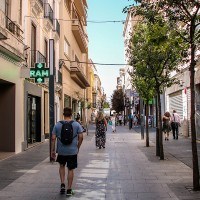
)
(67, 101)
(66, 47)
(46, 51)
(7, 8)
(20, 13)
(33, 45)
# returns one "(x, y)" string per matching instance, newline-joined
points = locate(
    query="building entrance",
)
(34, 119)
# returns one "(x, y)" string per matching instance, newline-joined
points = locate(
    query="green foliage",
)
(155, 52)
(106, 105)
(118, 100)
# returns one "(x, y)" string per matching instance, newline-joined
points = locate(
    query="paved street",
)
(125, 169)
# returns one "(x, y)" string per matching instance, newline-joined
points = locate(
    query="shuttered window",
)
(176, 103)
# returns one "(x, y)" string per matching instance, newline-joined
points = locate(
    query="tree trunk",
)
(142, 118)
(160, 127)
(147, 123)
(157, 130)
(192, 118)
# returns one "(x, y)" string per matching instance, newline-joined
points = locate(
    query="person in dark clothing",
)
(130, 119)
(101, 128)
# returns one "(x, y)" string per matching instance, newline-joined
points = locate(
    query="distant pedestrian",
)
(166, 125)
(130, 120)
(113, 120)
(135, 120)
(175, 123)
(67, 154)
(101, 128)
(120, 119)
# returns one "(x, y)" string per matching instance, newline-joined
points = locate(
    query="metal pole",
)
(51, 91)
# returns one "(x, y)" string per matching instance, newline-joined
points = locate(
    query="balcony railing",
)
(37, 57)
(57, 26)
(59, 77)
(14, 28)
(48, 12)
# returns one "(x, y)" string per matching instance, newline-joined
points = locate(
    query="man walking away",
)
(175, 123)
(67, 153)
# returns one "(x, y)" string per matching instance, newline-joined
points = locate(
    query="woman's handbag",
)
(110, 122)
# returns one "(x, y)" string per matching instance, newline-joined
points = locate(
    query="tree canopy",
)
(118, 100)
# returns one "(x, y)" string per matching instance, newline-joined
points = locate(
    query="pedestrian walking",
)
(120, 119)
(113, 120)
(135, 120)
(67, 153)
(175, 123)
(101, 128)
(130, 120)
(166, 128)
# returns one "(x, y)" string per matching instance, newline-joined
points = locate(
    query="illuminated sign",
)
(39, 73)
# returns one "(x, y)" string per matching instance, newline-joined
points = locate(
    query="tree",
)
(106, 105)
(146, 89)
(183, 16)
(155, 51)
(118, 100)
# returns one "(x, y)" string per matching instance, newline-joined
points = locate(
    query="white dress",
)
(113, 124)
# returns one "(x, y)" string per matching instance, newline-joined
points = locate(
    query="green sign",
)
(39, 72)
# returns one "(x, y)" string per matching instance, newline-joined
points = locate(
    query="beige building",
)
(11, 83)
(74, 55)
(26, 26)
(40, 25)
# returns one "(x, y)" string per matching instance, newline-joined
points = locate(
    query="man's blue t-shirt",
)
(71, 149)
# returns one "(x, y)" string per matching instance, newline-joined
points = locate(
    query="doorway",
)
(33, 119)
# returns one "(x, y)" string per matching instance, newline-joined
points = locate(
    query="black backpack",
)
(67, 135)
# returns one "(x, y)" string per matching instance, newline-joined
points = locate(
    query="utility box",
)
(185, 128)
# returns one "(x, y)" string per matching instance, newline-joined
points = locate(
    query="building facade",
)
(26, 27)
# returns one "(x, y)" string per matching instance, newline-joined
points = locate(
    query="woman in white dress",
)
(113, 120)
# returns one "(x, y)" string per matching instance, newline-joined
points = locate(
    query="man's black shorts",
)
(71, 161)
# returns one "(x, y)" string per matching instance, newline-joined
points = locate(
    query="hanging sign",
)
(39, 73)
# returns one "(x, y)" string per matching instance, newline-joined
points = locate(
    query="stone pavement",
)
(125, 169)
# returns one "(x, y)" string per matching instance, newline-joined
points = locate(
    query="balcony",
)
(14, 28)
(56, 29)
(80, 35)
(78, 76)
(37, 6)
(81, 6)
(11, 38)
(48, 15)
(37, 57)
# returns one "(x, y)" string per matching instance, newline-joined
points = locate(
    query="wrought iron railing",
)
(14, 28)
(48, 12)
(37, 57)
(57, 26)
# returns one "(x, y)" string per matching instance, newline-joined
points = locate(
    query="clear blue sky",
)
(106, 39)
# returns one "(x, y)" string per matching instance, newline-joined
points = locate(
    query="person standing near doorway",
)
(67, 154)
(175, 123)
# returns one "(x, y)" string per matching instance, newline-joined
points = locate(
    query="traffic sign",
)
(39, 72)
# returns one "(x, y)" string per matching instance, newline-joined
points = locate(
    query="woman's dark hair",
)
(67, 112)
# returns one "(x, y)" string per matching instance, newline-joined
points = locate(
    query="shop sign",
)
(39, 73)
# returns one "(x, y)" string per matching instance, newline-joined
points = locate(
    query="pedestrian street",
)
(125, 169)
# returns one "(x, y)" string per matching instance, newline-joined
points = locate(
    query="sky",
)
(106, 42)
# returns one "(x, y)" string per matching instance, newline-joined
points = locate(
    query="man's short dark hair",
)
(67, 112)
